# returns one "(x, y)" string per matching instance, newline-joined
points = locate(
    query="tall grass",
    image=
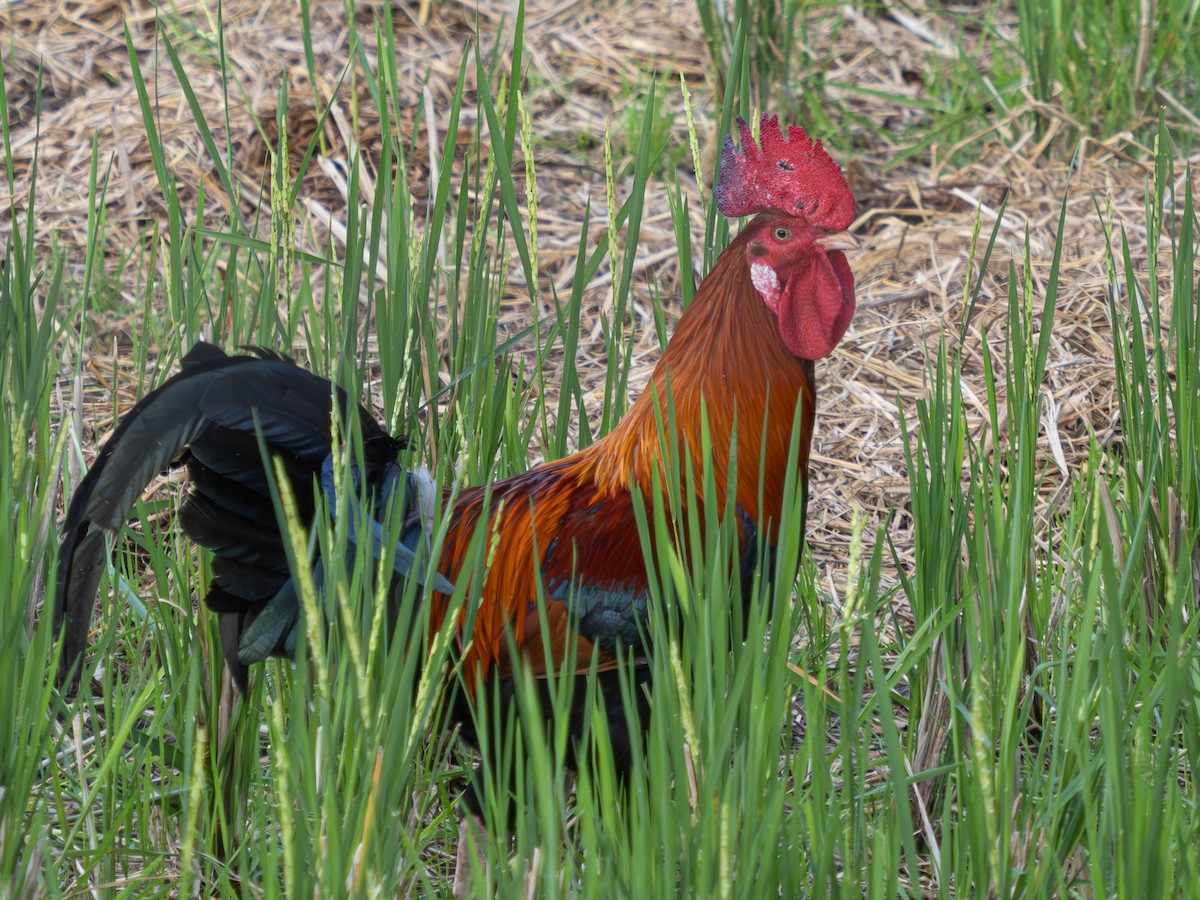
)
(1065, 70)
(769, 31)
(29, 289)
(1111, 66)
(1036, 731)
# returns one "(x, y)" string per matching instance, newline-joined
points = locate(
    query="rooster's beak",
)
(839, 240)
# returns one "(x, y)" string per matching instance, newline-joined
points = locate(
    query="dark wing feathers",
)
(597, 550)
(596, 563)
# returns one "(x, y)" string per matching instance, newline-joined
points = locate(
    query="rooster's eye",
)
(782, 234)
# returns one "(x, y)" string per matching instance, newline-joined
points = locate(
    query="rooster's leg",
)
(470, 858)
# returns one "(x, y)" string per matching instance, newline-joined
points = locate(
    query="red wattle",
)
(816, 306)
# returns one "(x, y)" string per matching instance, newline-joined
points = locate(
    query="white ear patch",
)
(766, 282)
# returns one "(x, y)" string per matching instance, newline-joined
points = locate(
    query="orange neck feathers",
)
(727, 356)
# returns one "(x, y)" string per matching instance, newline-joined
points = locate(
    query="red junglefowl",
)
(780, 296)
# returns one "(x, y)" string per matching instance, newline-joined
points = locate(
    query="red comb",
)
(792, 175)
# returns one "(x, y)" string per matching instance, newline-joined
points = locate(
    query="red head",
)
(792, 175)
(801, 274)
(794, 250)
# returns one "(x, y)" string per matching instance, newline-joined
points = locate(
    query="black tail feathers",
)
(210, 417)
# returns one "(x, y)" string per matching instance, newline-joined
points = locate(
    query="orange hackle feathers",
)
(574, 517)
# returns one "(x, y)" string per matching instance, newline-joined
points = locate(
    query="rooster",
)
(780, 296)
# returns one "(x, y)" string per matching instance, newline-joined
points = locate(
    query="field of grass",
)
(484, 221)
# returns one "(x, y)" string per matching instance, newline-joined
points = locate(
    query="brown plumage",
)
(725, 355)
(778, 298)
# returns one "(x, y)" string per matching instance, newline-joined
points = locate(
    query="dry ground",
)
(586, 61)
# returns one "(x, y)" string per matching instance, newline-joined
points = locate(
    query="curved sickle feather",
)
(212, 413)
